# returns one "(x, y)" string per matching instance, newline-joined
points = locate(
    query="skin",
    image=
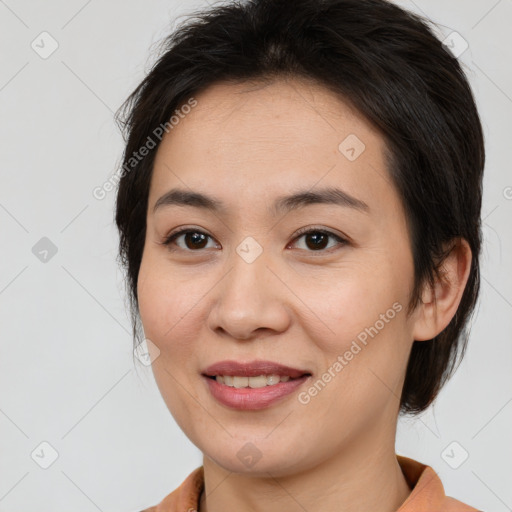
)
(297, 305)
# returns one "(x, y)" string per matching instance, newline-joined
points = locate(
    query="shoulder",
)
(150, 509)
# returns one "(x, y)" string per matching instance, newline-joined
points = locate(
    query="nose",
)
(250, 299)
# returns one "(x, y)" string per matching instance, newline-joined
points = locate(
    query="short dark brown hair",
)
(385, 62)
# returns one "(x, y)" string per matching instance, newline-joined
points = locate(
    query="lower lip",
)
(253, 398)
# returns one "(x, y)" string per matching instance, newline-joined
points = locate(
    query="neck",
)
(362, 476)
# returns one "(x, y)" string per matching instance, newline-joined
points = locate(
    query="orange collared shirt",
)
(427, 494)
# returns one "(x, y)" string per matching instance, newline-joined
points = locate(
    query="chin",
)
(256, 458)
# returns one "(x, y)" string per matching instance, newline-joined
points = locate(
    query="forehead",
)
(252, 139)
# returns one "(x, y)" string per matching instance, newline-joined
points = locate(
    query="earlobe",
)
(439, 305)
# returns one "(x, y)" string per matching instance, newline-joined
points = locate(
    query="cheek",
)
(362, 360)
(168, 305)
(169, 314)
(371, 329)
(350, 305)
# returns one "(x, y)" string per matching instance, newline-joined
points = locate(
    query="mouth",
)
(255, 392)
(254, 384)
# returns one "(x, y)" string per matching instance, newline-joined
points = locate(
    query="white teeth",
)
(240, 382)
(253, 382)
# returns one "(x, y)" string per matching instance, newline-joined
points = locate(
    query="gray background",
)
(66, 370)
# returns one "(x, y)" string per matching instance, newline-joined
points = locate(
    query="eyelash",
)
(304, 231)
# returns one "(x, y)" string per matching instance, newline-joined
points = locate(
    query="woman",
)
(299, 217)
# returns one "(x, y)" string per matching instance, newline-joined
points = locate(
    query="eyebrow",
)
(283, 204)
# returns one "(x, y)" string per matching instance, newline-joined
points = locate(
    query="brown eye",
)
(317, 240)
(193, 240)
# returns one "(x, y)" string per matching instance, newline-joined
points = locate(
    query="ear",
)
(439, 306)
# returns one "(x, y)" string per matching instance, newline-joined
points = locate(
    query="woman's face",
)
(248, 286)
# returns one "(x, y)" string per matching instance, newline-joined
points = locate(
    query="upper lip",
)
(252, 369)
